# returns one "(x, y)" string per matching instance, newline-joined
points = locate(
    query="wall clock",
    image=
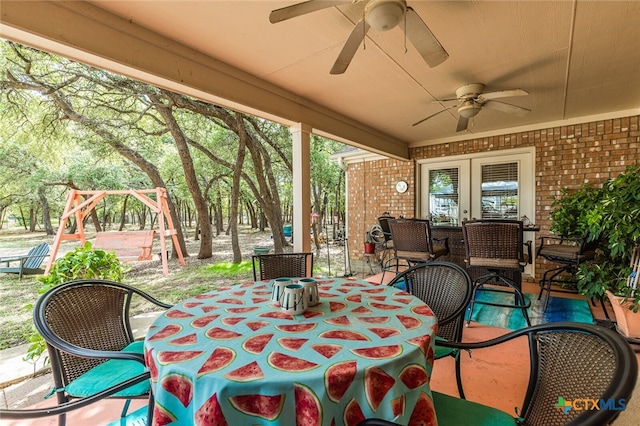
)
(401, 186)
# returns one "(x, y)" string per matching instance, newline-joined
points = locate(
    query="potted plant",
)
(616, 220)
(369, 245)
(610, 215)
(82, 263)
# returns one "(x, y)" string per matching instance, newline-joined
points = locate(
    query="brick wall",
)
(566, 157)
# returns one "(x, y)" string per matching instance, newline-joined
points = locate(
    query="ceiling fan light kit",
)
(469, 109)
(383, 15)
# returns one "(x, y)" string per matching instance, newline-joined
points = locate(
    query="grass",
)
(198, 276)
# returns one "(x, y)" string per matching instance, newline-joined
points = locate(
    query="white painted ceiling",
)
(575, 58)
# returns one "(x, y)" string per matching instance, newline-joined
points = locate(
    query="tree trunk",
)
(123, 214)
(46, 213)
(206, 245)
(237, 254)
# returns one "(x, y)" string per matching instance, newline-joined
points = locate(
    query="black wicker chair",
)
(91, 346)
(291, 265)
(495, 255)
(568, 361)
(383, 221)
(413, 244)
(569, 253)
(446, 288)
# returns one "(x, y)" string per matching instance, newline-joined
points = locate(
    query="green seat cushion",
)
(443, 351)
(137, 418)
(402, 285)
(110, 373)
(452, 411)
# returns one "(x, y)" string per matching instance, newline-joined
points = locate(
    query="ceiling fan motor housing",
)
(383, 15)
(469, 91)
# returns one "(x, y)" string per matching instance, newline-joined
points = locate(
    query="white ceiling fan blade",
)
(350, 47)
(433, 115)
(423, 39)
(508, 108)
(303, 8)
(444, 100)
(501, 94)
(463, 122)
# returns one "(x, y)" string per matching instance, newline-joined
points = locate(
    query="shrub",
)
(82, 263)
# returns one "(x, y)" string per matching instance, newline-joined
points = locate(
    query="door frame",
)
(526, 156)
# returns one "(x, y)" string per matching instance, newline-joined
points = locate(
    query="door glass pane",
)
(500, 191)
(443, 196)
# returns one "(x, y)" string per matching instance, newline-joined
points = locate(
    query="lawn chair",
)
(446, 288)
(290, 265)
(567, 361)
(89, 338)
(28, 264)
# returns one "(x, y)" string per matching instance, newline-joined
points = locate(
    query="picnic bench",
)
(127, 245)
(28, 264)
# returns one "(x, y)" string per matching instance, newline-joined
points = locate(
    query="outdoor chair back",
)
(28, 264)
(495, 255)
(567, 361)
(413, 243)
(91, 346)
(446, 288)
(291, 265)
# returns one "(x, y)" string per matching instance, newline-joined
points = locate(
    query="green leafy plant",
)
(611, 215)
(571, 210)
(82, 263)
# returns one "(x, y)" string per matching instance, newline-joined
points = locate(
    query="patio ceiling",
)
(579, 60)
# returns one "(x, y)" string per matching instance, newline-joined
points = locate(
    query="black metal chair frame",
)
(446, 288)
(574, 251)
(479, 255)
(64, 408)
(69, 343)
(387, 244)
(539, 400)
(413, 245)
(554, 372)
(278, 265)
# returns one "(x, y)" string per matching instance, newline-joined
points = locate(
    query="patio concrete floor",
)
(505, 392)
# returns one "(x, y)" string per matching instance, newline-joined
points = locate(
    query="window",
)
(499, 191)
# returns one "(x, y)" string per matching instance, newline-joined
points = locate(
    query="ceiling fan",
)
(381, 15)
(472, 100)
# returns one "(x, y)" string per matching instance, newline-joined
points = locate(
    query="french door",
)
(495, 185)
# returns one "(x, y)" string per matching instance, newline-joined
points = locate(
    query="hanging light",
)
(469, 109)
(383, 15)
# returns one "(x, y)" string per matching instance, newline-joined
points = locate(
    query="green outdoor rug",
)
(560, 309)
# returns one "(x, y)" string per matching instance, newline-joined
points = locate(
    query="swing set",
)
(128, 245)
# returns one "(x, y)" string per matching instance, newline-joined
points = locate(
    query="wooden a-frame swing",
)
(80, 208)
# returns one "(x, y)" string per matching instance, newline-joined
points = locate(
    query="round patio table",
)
(230, 356)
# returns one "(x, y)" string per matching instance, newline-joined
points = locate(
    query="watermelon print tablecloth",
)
(229, 357)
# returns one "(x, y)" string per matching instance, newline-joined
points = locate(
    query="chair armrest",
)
(69, 348)
(75, 404)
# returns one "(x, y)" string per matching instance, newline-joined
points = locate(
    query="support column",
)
(301, 136)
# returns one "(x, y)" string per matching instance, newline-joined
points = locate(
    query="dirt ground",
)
(182, 282)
